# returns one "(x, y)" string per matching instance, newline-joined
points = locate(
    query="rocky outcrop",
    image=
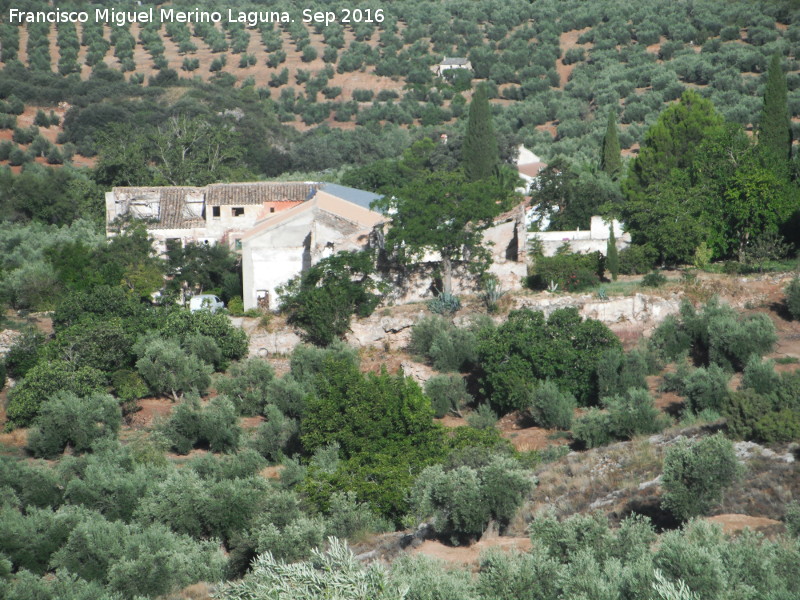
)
(393, 331)
(640, 308)
(281, 341)
(7, 339)
(390, 332)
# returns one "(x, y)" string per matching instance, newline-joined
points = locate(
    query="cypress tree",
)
(479, 155)
(611, 160)
(774, 132)
(612, 257)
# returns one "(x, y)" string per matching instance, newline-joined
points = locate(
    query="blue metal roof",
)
(359, 197)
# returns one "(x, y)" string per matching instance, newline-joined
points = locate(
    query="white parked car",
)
(205, 302)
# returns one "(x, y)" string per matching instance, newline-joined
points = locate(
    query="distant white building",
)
(285, 244)
(452, 63)
(528, 166)
(593, 240)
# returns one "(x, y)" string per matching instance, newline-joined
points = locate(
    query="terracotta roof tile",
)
(258, 192)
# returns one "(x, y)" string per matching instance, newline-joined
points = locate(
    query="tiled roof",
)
(173, 212)
(258, 192)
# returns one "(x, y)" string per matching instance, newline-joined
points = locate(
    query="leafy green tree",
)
(205, 268)
(569, 194)
(383, 425)
(247, 385)
(461, 501)
(168, 369)
(322, 299)
(527, 347)
(123, 157)
(744, 197)
(43, 381)
(67, 419)
(192, 151)
(444, 213)
(611, 159)
(659, 208)
(774, 128)
(479, 154)
(612, 254)
(696, 475)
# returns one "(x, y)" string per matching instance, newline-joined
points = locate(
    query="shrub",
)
(128, 385)
(444, 304)
(696, 475)
(731, 343)
(247, 385)
(564, 348)
(571, 271)
(276, 435)
(447, 393)
(618, 372)
(288, 395)
(215, 426)
(706, 389)
(637, 260)
(204, 348)
(168, 369)
(592, 429)
(68, 420)
(625, 417)
(764, 418)
(654, 279)
(461, 501)
(714, 335)
(760, 376)
(232, 340)
(793, 298)
(43, 381)
(135, 560)
(347, 518)
(483, 417)
(549, 406)
(445, 346)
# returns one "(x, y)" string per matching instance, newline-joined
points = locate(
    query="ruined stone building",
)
(280, 228)
(217, 213)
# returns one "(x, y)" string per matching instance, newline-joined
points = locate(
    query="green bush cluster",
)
(461, 501)
(624, 417)
(793, 298)
(637, 260)
(69, 420)
(767, 409)
(247, 385)
(448, 393)
(581, 557)
(214, 426)
(571, 271)
(617, 372)
(443, 345)
(696, 474)
(714, 335)
(549, 406)
(563, 348)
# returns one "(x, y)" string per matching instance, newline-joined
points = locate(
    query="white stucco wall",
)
(593, 240)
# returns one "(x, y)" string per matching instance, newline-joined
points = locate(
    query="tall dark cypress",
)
(612, 255)
(611, 159)
(774, 131)
(479, 154)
